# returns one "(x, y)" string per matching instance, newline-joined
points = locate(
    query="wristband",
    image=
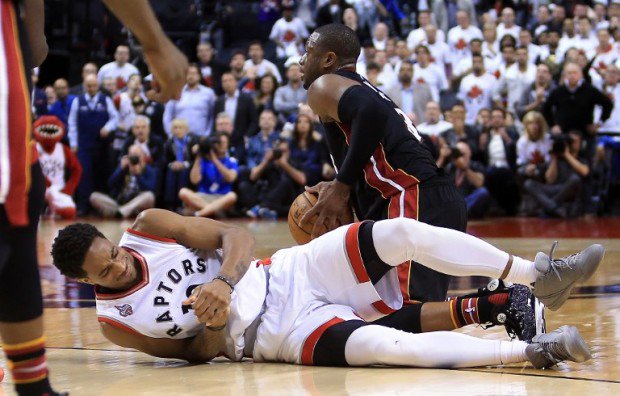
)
(227, 281)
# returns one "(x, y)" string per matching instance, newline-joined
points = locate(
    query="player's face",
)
(311, 61)
(109, 266)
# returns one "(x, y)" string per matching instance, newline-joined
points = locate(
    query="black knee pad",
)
(330, 348)
(408, 318)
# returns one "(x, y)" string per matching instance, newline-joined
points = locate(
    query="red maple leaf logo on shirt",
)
(497, 74)
(475, 92)
(420, 81)
(537, 158)
(602, 65)
(289, 36)
(461, 44)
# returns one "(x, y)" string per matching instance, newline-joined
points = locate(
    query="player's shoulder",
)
(331, 85)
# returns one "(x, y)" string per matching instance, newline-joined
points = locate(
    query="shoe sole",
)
(539, 314)
(575, 345)
(597, 253)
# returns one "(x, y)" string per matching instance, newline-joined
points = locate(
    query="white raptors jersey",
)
(170, 272)
(53, 165)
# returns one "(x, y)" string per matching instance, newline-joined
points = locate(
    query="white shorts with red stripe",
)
(317, 285)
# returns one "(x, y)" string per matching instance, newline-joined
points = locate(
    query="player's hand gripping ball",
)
(304, 202)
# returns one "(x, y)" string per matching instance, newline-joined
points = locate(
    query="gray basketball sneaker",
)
(558, 276)
(564, 343)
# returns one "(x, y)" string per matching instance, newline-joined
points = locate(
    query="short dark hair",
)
(340, 39)
(70, 247)
(373, 66)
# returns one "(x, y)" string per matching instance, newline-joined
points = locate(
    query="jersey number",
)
(408, 123)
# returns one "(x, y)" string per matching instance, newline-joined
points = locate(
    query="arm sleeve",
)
(280, 104)
(113, 121)
(367, 130)
(73, 133)
(75, 171)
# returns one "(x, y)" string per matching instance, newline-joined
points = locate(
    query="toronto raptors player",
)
(187, 288)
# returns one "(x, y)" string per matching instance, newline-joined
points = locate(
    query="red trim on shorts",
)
(352, 246)
(307, 351)
(100, 295)
(382, 307)
(118, 325)
(19, 120)
(150, 236)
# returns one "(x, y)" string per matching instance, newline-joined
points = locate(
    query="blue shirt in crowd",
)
(212, 181)
(257, 146)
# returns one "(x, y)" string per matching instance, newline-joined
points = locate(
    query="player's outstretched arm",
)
(165, 60)
(211, 300)
(34, 16)
(201, 348)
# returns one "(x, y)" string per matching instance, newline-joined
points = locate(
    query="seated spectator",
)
(195, 105)
(288, 97)
(179, 158)
(214, 172)
(62, 106)
(88, 68)
(132, 187)
(533, 147)
(292, 165)
(411, 95)
(533, 98)
(120, 70)
(476, 89)
(264, 95)
(434, 125)
(261, 66)
(152, 146)
(468, 177)
(461, 131)
(483, 120)
(289, 33)
(558, 195)
(498, 149)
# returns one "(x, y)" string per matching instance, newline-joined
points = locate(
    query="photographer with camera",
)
(559, 195)
(468, 178)
(132, 187)
(214, 173)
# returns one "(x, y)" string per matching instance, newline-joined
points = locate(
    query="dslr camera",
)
(559, 143)
(277, 151)
(134, 159)
(455, 153)
(206, 144)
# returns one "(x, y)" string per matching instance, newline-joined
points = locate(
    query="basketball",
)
(304, 202)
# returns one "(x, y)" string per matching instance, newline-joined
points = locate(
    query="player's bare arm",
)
(34, 17)
(204, 346)
(165, 60)
(211, 300)
(324, 95)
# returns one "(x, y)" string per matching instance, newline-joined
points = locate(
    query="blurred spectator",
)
(386, 77)
(260, 65)
(263, 141)
(331, 12)
(132, 187)
(517, 80)
(558, 195)
(290, 96)
(460, 131)
(508, 58)
(585, 41)
(413, 95)
(419, 35)
(508, 26)
(240, 108)
(600, 12)
(380, 35)
(539, 22)
(605, 54)
(237, 64)
(289, 33)
(265, 94)
(459, 36)
(214, 172)
(440, 51)
(195, 105)
(126, 115)
(534, 97)
(498, 147)
(38, 98)
(62, 106)
(351, 20)
(571, 107)
(402, 55)
(558, 15)
(91, 120)
(209, 68)
(533, 147)
(463, 67)
(119, 70)
(476, 89)
(291, 166)
(178, 157)
(154, 110)
(427, 72)
(535, 53)
(611, 88)
(552, 56)
(50, 96)
(152, 146)
(88, 68)
(433, 125)
(109, 86)
(468, 177)
(490, 43)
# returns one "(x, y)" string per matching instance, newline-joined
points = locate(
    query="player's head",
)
(329, 48)
(82, 252)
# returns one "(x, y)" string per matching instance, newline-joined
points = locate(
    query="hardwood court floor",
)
(84, 363)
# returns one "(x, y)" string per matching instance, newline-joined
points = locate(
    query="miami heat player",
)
(309, 304)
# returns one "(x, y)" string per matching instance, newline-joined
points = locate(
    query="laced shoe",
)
(564, 343)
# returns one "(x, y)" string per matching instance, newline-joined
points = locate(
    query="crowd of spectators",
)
(517, 100)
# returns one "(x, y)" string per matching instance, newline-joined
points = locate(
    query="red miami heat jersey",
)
(170, 272)
(396, 167)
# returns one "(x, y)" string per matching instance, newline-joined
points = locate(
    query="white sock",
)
(373, 345)
(444, 250)
(522, 271)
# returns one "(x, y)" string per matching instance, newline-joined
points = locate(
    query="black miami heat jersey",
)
(397, 166)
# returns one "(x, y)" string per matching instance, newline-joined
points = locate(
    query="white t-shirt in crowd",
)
(263, 68)
(613, 122)
(289, 33)
(433, 75)
(115, 71)
(458, 40)
(418, 36)
(476, 93)
(514, 31)
(440, 53)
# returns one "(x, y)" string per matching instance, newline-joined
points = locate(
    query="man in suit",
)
(240, 107)
(413, 95)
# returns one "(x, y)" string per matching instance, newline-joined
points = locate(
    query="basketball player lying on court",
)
(187, 288)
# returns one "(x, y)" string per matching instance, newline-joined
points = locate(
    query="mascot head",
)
(48, 130)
